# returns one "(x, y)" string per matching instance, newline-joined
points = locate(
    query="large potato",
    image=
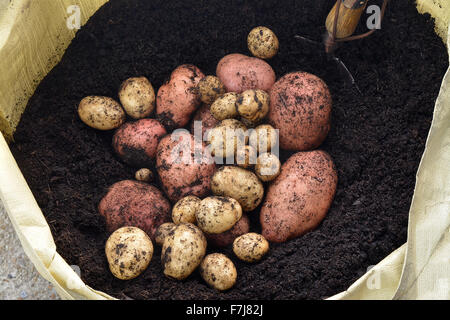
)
(218, 214)
(137, 97)
(184, 166)
(101, 113)
(136, 142)
(204, 120)
(218, 271)
(179, 98)
(226, 238)
(300, 107)
(239, 73)
(183, 251)
(129, 251)
(134, 203)
(298, 200)
(239, 184)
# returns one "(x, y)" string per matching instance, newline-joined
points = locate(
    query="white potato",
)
(137, 97)
(246, 157)
(218, 214)
(184, 210)
(225, 107)
(227, 137)
(267, 167)
(253, 105)
(102, 113)
(210, 88)
(162, 232)
(144, 174)
(250, 247)
(218, 271)
(263, 43)
(263, 138)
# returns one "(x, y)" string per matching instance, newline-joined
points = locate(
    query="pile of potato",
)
(213, 177)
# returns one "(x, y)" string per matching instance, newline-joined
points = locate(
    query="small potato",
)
(137, 97)
(250, 247)
(253, 105)
(218, 214)
(246, 157)
(239, 184)
(144, 175)
(263, 138)
(210, 88)
(184, 210)
(218, 271)
(267, 167)
(183, 250)
(203, 121)
(163, 231)
(225, 107)
(227, 137)
(129, 251)
(263, 43)
(225, 239)
(101, 113)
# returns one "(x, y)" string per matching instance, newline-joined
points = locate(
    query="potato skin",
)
(246, 157)
(162, 232)
(137, 97)
(184, 210)
(299, 199)
(183, 250)
(239, 184)
(101, 113)
(250, 247)
(210, 88)
(226, 238)
(208, 121)
(263, 43)
(218, 214)
(129, 251)
(134, 203)
(239, 72)
(225, 107)
(253, 105)
(183, 176)
(136, 142)
(218, 271)
(179, 98)
(225, 138)
(263, 138)
(300, 107)
(144, 175)
(267, 167)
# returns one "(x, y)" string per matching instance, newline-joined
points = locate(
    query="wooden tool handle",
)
(350, 12)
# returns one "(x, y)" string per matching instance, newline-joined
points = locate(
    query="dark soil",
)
(376, 140)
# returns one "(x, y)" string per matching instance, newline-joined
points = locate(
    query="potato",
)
(300, 107)
(267, 167)
(180, 171)
(263, 138)
(136, 204)
(239, 73)
(210, 88)
(205, 121)
(218, 271)
(227, 137)
(144, 175)
(299, 199)
(179, 98)
(250, 247)
(246, 157)
(137, 97)
(136, 142)
(263, 43)
(218, 214)
(225, 107)
(239, 184)
(101, 113)
(163, 231)
(226, 238)
(184, 210)
(129, 251)
(183, 250)
(253, 105)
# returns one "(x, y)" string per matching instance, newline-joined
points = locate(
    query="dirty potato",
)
(226, 238)
(218, 214)
(101, 113)
(210, 88)
(163, 231)
(218, 271)
(263, 43)
(225, 139)
(250, 247)
(225, 107)
(184, 210)
(137, 97)
(202, 122)
(246, 157)
(253, 105)
(267, 167)
(263, 138)
(144, 175)
(129, 251)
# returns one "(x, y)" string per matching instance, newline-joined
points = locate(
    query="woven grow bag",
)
(33, 38)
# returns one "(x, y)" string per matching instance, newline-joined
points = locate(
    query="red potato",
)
(299, 199)
(135, 204)
(179, 98)
(180, 172)
(225, 239)
(300, 107)
(239, 73)
(208, 121)
(136, 142)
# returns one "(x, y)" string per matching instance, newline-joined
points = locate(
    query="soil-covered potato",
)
(135, 142)
(203, 119)
(183, 251)
(218, 214)
(101, 113)
(225, 107)
(210, 88)
(263, 138)
(134, 203)
(253, 105)
(226, 238)
(299, 199)
(239, 184)
(246, 157)
(162, 232)
(178, 99)
(184, 210)
(239, 72)
(137, 97)
(144, 175)
(267, 167)
(300, 108)
(218, 271)
(227, 137)
(180, 172)
(263, 43)
(250, 247)
(129, 251)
